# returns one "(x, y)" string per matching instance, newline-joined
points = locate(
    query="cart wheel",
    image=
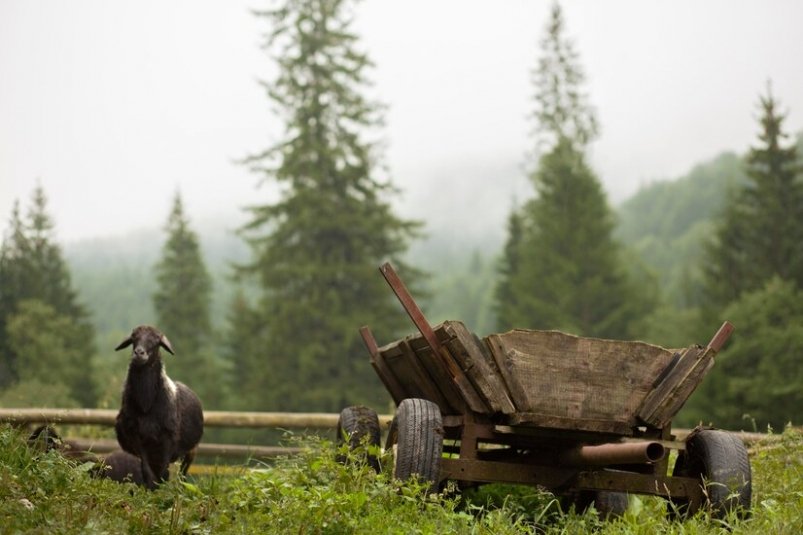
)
(359, 426)
(417, 431)
(719, 459)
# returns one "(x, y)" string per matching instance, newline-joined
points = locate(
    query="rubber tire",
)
(719, 459)
(360, 425)
(418, 432)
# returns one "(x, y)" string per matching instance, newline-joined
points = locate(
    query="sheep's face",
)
(146, 341)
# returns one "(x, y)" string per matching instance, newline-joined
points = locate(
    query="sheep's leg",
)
(189, 457)
(161, 468)
(165, 474)
(147, 473)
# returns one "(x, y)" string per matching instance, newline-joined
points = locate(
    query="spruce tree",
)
(182, 303)
(760, 234)
(563, 112)
(32, 268)
(49, 348)
(758, 380)
(504, 295)
(561, 267)
(14, 268)
(317, 249)
(244, 343)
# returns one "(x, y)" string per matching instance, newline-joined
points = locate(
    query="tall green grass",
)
(312, 493)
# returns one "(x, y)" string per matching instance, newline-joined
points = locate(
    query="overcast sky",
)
(113, 106)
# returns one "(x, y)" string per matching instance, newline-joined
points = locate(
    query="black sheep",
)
(160, 420)
(45, 438)
(119, 466)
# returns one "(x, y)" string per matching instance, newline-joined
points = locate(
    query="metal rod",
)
(721, 336)
(410, 306)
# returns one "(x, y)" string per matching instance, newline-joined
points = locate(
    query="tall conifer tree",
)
(32, 269)
(317, 249)
(14, 268)
(562, 268)
(182, 303)
(508, 267)
(761, 231)
(754, 278)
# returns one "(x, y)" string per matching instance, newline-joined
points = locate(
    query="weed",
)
(313, 493)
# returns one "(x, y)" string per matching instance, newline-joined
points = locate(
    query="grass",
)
(311, 493)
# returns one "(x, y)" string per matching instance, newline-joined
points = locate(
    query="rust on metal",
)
(428, 333)
(410, 306)
(613, 454)
(502, 472)
(721, 336)
(674, 486)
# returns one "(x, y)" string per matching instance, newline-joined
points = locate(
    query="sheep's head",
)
(45, 438)
(146, 341)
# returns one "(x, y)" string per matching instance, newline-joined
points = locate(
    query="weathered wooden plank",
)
(470, 355)
(444, 360)
(569, 378)
(387, 378)
(623, 428)
(661, 405)
(514, 388)
(431, 339)
(455, 404)
(399, 367)
(423, 378)
(378, 364)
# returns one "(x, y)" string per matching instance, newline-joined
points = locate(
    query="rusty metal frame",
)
(476, 465)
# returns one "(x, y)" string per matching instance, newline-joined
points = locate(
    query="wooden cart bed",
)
(544, 378)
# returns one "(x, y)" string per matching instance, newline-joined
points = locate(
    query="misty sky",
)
(113, 106)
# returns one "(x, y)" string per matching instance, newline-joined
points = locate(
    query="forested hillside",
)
(665, 223)
(663, 227)
(115, 275)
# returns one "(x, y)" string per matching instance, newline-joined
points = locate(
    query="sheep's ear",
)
(125, 343)
(165, 343)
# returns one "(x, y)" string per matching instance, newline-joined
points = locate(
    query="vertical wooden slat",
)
(385, 375)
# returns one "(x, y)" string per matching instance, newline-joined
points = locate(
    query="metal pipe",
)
(616, 453)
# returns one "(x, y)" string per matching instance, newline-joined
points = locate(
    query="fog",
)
(113, 106)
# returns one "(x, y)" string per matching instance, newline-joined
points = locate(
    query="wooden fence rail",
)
(270, 420)
(276, 420)
(106, 417)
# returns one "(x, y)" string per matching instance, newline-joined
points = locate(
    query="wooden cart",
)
(589, 419)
